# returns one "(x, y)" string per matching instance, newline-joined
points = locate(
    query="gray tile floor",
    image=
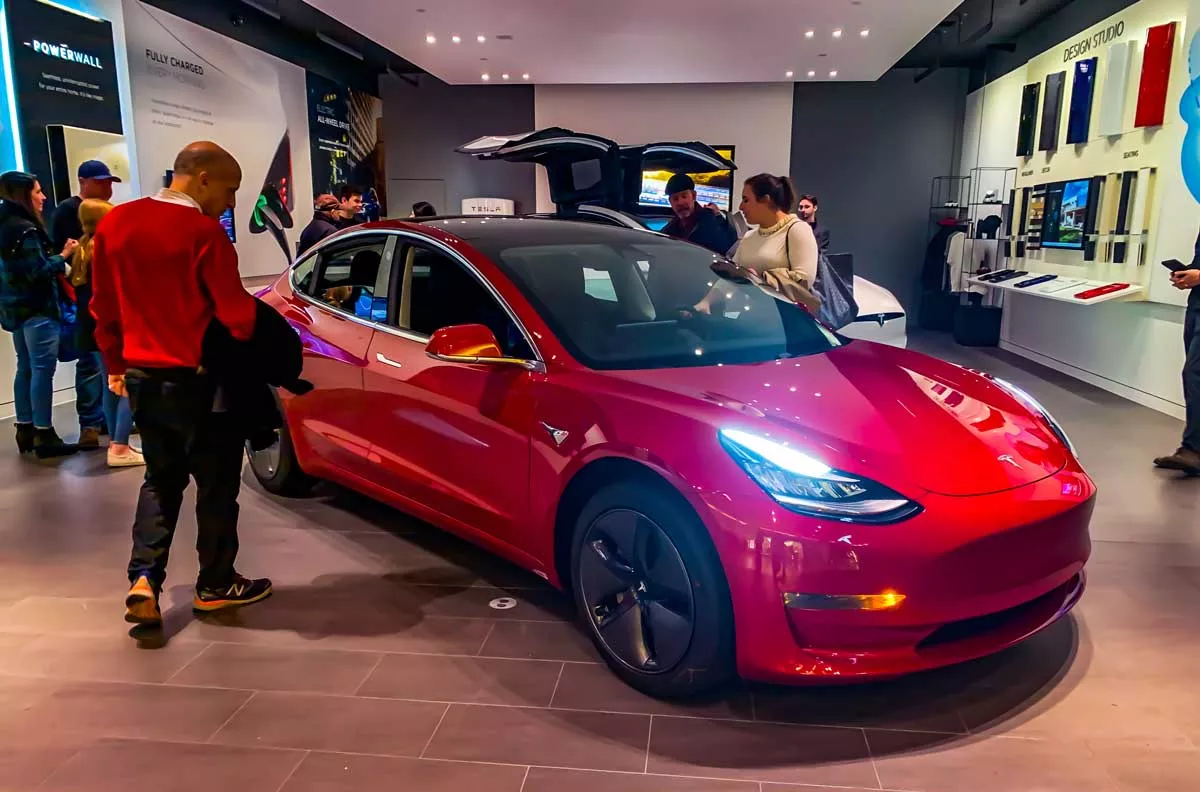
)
(378, 665)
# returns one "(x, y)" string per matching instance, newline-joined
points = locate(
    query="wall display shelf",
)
(1065, 289)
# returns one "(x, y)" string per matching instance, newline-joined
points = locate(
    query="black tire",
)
(648, 600)
(278, 470)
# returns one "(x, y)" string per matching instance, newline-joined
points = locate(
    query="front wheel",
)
(277, 469)
(649, 585)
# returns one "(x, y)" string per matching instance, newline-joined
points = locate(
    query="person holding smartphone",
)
(1187, 458)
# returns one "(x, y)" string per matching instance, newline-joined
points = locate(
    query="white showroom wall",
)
(755, 119)
(1134, 349)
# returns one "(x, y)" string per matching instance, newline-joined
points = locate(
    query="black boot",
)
(48, 445)
(25, 438)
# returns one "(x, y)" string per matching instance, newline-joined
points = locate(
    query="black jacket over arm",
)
(247, 371)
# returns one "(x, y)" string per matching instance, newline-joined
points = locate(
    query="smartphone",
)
(1175, 265)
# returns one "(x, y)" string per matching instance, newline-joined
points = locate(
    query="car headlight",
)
(1036, 408)
(806, 485)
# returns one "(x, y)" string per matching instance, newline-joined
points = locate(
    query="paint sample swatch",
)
(1052, 111)
(1156, 75)
(1079, 122)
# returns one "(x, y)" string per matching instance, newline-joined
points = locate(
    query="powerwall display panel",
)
(63, 73)
(1079, 122)
(1111, 120)
(1052, 111)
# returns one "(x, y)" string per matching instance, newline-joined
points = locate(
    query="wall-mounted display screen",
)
(715, 188)
(227, 224)
(1065, 220)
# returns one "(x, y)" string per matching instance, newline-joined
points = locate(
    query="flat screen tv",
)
(715, 188)
(1065, 222)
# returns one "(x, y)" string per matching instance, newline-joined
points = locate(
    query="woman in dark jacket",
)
(30, 293)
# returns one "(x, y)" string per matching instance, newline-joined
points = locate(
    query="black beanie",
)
(678, 183)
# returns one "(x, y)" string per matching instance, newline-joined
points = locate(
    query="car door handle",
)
(387, 361)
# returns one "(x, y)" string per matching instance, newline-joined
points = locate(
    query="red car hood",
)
(898, 417)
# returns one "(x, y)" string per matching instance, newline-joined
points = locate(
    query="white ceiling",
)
(640, 41)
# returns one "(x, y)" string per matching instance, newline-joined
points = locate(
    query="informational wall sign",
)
(64, 73)
(345, 141)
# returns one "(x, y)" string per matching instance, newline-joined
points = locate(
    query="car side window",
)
(352, 277)
(437, 291)
(302, 275)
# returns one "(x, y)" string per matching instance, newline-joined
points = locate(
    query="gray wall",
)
(423, 125)
(869, 152)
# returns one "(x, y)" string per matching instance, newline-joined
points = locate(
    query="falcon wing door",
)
(581, 168)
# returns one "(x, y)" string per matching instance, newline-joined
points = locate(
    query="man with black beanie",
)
(693, 223)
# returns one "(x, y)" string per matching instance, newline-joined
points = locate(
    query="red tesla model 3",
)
(734, 492)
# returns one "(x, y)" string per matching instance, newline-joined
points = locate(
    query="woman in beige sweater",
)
(781, 240)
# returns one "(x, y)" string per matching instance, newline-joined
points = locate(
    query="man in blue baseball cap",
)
(96, 183)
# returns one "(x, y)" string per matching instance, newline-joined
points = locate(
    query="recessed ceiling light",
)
(837, 33)
(524, 76)
(833, 73)
(864, 32)
(812, 73)
(503, 76)
(481, 39)
(809, 33)
(789, 75)
(456, 39)
(431, 39)
(485, 77)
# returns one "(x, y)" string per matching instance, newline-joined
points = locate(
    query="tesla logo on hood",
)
(559, 436)
(1008, 460)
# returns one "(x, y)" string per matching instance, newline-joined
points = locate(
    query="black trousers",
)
(1191, 379)
(183, 439)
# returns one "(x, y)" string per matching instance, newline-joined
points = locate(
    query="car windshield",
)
(620, 299)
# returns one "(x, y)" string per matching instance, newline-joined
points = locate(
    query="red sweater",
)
(161, 272)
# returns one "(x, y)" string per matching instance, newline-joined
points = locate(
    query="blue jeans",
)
(117, 412)
(36, 343)
(91, 385)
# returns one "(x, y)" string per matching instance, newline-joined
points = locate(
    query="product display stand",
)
(949, 203)
(989, 222)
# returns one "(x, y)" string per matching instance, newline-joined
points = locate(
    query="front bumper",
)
(978, 574)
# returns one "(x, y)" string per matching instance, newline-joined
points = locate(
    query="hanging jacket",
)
(933, 275)
(30, 272)
(246, 372)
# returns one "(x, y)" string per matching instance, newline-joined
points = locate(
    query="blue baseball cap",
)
(95, 169)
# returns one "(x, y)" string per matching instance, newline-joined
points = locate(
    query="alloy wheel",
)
(637, 591)
(265, 462)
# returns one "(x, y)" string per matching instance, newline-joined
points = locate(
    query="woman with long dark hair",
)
(30, 298)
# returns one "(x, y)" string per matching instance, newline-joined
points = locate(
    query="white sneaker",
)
(131, 458)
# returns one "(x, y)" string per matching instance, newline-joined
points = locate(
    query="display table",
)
(1059, 289)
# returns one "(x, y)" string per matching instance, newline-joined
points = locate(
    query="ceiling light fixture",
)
(833, 73)
(456, 39)
(430, 39)
(503, 76)
(789, 75)
(812, 73)
(485, 77)
(481, 39)
(864, 32)
(837, 33)
(337, 45)
(524, 76)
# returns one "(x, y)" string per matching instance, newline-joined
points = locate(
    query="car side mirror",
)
(474, 344)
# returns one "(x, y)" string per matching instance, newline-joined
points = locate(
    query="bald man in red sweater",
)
(163, 270)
